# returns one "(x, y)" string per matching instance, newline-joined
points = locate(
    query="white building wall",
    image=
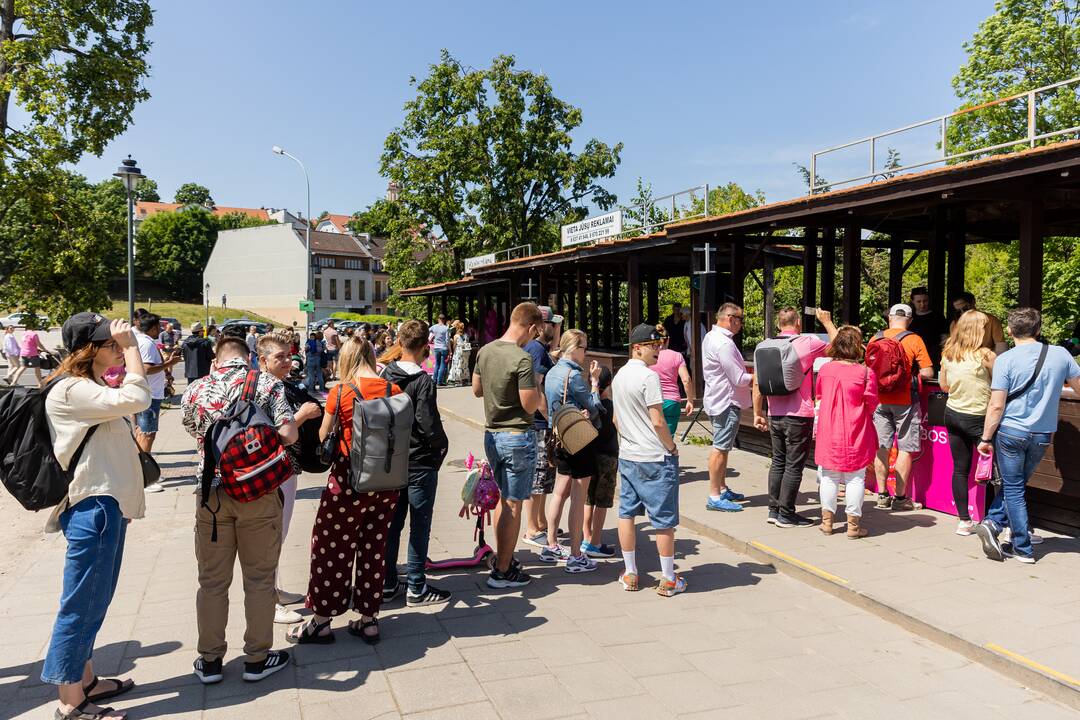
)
(259, 269)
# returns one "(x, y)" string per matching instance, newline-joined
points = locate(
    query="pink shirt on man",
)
(846, 440)
(30, 345)
(667, 367)
(801, 402)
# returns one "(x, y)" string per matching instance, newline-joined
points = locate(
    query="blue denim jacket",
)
(577, 394)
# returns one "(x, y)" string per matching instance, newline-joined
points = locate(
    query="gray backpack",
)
(381, 430)
(777, 366)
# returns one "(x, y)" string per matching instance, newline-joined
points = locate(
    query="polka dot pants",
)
(349, 538)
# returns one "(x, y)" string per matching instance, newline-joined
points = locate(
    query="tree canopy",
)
(485, 157)
(193, 194)
(173, 248)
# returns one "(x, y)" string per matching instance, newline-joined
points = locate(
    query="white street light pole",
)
(307, 227)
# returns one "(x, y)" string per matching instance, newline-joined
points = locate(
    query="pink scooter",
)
(483, 554)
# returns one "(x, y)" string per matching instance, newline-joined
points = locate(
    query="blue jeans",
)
(95, 531)
(313, 374)
(418, 501)
(1017, 453)
(147, 420)
(512, 456)
(441, 366)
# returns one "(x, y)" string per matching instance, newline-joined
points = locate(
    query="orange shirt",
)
(343, 394)
(917, 354)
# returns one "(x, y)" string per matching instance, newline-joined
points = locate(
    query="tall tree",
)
(193, 194)
(172, 248)
(485, 156)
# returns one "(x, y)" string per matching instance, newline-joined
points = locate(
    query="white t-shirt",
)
(634, 389)
(151, 355)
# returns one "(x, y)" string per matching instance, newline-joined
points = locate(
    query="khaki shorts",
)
(903, 421)
(601, 491)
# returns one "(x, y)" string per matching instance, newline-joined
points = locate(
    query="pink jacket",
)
(846, 439)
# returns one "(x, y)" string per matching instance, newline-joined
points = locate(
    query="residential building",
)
(145, 209)
(262, 269)
(339, 224)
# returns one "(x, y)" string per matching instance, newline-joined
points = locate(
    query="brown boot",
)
(853, 530)
(826, 522)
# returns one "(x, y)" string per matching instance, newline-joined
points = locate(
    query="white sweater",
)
(109, 464)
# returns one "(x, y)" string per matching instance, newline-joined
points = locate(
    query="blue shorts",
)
(725, 427)
(147, 420)
(512, 456)
(650, 488)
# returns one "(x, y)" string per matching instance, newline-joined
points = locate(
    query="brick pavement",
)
(745, 640)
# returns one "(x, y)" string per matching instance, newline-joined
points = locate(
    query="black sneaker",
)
(275, 660)
(773, 516)
(208, 671)
(428, 595)
(790, 521)
(988, 537)
(513, 578)
(389, 592)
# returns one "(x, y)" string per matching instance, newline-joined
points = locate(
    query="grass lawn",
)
(188, 313)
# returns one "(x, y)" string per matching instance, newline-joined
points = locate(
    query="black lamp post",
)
(130, 175)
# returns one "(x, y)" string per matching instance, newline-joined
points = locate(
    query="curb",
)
(1034, 676)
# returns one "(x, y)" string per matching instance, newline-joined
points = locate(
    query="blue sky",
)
(699, 92)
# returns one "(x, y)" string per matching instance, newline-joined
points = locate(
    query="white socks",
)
(667, 567)
(630, 560)
(715, 498)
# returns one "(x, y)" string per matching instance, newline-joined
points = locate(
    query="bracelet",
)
(984, 440)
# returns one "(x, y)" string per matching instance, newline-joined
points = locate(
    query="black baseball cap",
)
(84, 328)
(644, 333)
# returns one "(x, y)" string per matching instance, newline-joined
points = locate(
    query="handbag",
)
(572, 425)
(329, 450)
(151, 471)
(935, 408)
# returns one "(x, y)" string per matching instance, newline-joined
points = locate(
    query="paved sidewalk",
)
(744, 641)
(912, 568)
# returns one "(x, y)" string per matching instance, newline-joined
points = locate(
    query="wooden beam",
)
(852, 272)
(770, 296)
(633, 288)
(896, 271)
(594, 311)
(560, 308)
(1031, 253)
(442, 303)
(545, 288)
(652, 299)
(828, 270)
(481, 315)
(809, 276)
(738, 273)
(611, 300)
(430, 310)
(954, 281)
(935, 260)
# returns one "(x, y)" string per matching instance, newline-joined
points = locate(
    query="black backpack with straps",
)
(28, 466)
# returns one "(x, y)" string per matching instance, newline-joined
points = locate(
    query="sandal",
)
(122, 686)
(357, 628)
(78, 712)
(310, 633)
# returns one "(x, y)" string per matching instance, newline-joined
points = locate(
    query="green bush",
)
(373, 319)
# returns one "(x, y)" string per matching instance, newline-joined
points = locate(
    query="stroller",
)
(479, 496)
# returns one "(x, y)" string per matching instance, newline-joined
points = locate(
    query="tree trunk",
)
(7, 29)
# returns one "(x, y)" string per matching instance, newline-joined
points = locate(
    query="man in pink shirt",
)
(727, 391)
(790, 420)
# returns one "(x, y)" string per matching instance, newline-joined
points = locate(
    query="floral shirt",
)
(209, 397)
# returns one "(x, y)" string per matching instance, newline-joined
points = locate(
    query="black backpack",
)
(28, 467)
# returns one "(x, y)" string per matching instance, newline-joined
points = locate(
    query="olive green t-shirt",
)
(504, 368)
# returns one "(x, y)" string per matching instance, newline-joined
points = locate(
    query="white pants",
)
(854, 484)
(288, 492)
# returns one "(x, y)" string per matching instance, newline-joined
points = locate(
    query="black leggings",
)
(965, 431)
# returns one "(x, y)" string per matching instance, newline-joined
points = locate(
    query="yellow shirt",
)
(969, 385)
(109, 464)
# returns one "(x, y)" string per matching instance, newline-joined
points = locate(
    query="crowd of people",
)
(853, 398)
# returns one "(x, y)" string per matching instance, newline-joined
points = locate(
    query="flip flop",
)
(122, 686)
(78, 713)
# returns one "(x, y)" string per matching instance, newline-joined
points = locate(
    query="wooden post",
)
(809, 276)
(954, 281)
(935, 259)
(896, 271)
(828, 269)
(652, 299)
(578, 305)
(594, 311)
(611, 301)
(633, 289)
(481, 315)
(514, 291)
(1031, 253)
(738, 271)
(696, 298)
(442, 304)
(545, 289)
(769, 281)
(560, 307)
(430, 309)
(463, 310)
(852, 271)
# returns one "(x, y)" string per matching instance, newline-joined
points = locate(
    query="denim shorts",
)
(147, 420)
(512, 456)
(725, 427)
(650, 488)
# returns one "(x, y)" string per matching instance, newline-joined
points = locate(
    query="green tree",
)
(172, 248)
(193, 194)
(381, 218)
(485, 156)
(238, 220)
(1025, 44)
(145, 191)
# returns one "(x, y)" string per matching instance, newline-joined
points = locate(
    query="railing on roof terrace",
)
(942, 121)
(659, 212)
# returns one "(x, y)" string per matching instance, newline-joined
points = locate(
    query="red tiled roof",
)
(146, 209)
(341, 222)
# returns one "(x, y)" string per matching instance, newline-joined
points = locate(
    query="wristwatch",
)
(984, 440)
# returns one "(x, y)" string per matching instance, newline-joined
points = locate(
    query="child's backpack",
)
(480, 493)
(28, 467)
(777, 366)
(890, 363)
(244, 449)
(382, 429)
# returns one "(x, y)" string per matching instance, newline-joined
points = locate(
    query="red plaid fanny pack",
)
(244, 450)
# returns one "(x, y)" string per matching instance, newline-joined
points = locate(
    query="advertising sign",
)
(592, 229)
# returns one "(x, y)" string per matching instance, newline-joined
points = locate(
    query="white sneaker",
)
(284, 597)
(965, 527)
(285, 616)
(1036, 539)
(580, 563)
(154, 488)
(1006, 536)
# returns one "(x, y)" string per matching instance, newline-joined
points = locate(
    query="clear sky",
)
(699, 92)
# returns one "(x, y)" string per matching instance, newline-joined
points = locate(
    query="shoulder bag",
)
(1034, 376)
(329, 450)
(572, 426)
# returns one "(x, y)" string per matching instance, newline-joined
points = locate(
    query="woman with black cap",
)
(100, 383)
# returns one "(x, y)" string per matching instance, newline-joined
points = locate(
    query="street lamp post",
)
(307, 229)
(130, 175)
(206, 299)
